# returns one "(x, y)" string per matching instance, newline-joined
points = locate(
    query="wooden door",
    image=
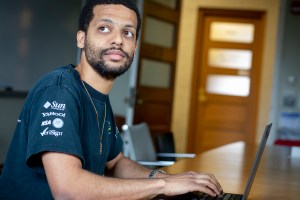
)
(155, 84)
(226, 78)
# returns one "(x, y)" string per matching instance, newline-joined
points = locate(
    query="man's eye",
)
(128, 33)
(104, 29)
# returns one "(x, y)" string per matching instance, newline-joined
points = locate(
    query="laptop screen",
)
(257, 160)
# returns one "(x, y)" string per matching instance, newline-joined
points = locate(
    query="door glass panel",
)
(168, 3)
(158, 32)
(155, 74)
(230, 58)
(228, 85)
(232, 32)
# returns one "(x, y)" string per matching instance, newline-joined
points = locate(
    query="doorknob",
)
(139, 101)
(201, 96)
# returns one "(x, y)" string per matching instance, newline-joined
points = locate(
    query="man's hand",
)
(191, 182)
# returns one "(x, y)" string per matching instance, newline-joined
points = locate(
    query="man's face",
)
(110, 41)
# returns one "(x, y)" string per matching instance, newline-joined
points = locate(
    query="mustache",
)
(104, 51)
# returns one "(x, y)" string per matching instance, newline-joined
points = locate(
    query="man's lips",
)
(115, 54)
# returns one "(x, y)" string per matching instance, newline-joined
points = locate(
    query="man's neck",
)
(90, 76)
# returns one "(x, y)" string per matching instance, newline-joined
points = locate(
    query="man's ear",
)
(80, 39)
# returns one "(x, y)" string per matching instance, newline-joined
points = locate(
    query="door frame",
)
(155, 52)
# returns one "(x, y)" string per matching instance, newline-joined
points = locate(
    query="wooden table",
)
(277, 178)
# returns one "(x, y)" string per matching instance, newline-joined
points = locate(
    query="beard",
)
(95, 58)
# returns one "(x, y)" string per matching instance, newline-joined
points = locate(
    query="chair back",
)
(141, 147)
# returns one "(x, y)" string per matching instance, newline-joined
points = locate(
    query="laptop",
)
(227, 196)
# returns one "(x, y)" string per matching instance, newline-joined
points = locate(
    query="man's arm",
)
(122, 167)
(68, 180)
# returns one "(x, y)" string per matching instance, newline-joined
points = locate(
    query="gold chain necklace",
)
(101, 135)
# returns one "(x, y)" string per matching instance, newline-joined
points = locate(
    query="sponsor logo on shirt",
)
(48, 114)
(47, 105)
(58, 123)
(55, 106)
(46, 122)
(51, 132)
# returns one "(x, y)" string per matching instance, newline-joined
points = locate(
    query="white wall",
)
(119, 93)
(289, 72)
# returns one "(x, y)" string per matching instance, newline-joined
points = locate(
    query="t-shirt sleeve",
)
(53, 125)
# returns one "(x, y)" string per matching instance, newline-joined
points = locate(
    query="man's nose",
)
(117, 39)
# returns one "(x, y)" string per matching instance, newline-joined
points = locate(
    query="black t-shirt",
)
(58, 116)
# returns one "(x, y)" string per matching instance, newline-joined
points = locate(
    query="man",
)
(66, 138)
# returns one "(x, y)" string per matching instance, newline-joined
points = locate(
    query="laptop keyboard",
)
(225, 196)
(200, 196)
